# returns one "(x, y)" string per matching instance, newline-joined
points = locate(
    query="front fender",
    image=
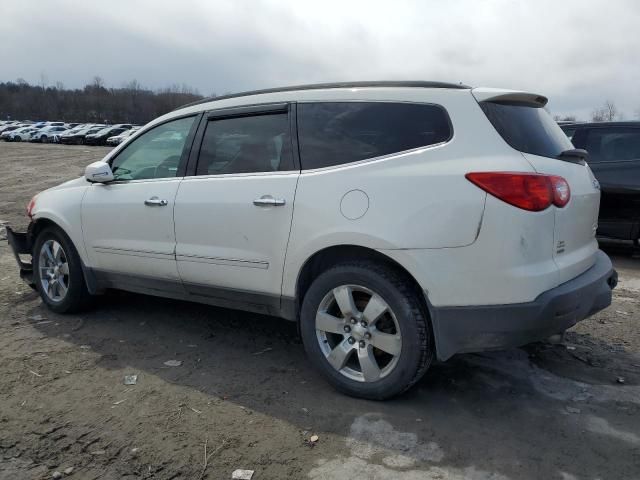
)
(63, 207)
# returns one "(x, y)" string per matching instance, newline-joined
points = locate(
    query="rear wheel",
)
(365, 329)
(43, 139)
(58, 272)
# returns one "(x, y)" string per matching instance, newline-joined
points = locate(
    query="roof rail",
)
(320, 86)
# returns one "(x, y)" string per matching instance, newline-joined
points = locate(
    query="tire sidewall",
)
(409, 361)
(77, 288)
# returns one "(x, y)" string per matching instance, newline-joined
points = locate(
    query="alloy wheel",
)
(358, 333)
(54, 270)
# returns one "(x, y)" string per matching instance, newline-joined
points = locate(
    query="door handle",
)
(269, 201)
(155, 202)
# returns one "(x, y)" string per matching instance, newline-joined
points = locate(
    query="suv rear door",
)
(233, 217)
(524, 124)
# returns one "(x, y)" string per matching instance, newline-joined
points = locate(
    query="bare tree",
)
(607, 113)
(97, 82)
(611, 110)
(43, 81)
(133, 85)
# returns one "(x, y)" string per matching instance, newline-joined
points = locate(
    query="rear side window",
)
(336, 133)
(252, 144)
(526, 128)
(613, 144)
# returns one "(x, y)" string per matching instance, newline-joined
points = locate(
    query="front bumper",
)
(20, 243)
(493, 327)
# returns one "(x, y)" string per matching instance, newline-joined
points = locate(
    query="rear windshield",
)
(527, 129)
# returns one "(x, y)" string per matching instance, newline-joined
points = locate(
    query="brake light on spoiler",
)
(529, 191)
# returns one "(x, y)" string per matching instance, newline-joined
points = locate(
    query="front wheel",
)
(366, 330)
(58, 272)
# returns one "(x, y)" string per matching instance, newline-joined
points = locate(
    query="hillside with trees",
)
(93, 103)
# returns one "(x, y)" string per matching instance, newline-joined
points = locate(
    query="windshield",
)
(526, 128)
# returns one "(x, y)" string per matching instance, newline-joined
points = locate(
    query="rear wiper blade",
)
(575, 155)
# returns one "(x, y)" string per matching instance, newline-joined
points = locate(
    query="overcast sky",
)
(579, 53)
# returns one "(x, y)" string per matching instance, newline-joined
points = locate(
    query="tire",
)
(77, 296)
(405, 316)
(43, 139)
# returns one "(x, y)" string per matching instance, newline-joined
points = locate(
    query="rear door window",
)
(250, 144)
(527, 128)
(335, 133)
(613, 144)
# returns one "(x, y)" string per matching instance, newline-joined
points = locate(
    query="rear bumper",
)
(490, 327)
(20, 243)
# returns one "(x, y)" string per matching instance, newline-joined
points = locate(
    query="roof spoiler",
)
(497, 95)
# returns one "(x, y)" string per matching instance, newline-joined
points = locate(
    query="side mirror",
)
(98, 172)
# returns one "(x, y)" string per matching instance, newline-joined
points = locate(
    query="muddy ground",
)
(245, 395)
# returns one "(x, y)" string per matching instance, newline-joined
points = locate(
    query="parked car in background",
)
(118, 139)
(9, 128)
(45, 134)
(4, 133)
(100, 137)
(77, 135)
(614, 158)
(397, 222)
(19, 134)
(23, 135)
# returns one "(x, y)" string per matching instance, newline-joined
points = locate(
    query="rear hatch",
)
(522, 121)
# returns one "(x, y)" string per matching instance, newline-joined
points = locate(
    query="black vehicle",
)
(614, 158)
(77, 136)
(100, 137)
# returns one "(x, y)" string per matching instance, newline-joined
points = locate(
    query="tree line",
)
(95, 103)
(608, 112)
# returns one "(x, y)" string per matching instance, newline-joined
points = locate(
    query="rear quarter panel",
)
(419, 199)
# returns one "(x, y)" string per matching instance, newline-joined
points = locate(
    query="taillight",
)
(530, 191)
(30, 205)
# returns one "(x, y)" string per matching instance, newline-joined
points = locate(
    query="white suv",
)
(397, 222)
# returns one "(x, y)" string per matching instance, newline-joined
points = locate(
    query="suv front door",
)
(128, 223)
(234, 216)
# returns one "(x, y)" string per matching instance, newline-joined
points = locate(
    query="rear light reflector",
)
(30, 205)
(529, 191)
(561, 191)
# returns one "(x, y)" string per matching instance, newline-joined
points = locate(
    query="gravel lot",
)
(245, 397)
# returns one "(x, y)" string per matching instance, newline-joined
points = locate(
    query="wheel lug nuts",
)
(367, 335)
(363, 323)
(362, 344)
(347, 328)
(353, 321)
(351, 340)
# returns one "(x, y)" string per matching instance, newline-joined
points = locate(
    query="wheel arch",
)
(41, 223)
(333, 255)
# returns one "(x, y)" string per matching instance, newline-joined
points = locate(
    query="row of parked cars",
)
(67, 133)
